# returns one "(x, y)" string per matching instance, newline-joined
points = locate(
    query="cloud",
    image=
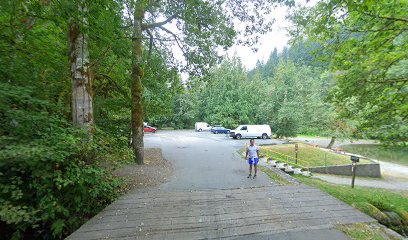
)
(277, 38)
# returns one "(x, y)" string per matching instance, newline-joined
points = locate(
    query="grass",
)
(274, 176)
(383, 199)
(372, 201)
(308, 156)
(364, 231)
(241, 151)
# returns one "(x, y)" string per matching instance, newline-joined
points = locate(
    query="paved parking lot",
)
(203, 160)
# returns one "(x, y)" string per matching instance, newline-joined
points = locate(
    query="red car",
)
(149, 129)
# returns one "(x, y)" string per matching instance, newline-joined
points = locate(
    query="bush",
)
(49, 181)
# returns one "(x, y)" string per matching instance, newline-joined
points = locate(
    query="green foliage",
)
(296, 88)
(365, 42)
(295, 102)
(162, 88)
(185, 111)
(52, 177)
(368, 200)
(50, 184)
(290, 97)
(363, 231)
(385, 200)
(229, 97)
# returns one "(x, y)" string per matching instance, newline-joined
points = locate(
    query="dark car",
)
(217, 130)
(215, 126)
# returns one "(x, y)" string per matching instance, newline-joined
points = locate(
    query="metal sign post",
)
(354, 160)
(296, 152)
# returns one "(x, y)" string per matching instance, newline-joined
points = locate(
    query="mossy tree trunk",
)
(137, 87)
(81, 75)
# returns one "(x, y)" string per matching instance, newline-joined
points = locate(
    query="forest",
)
(78, 79)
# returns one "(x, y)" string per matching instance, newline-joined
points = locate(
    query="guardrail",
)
(286, 157)
(325, 159)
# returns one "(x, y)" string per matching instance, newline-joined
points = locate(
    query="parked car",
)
(251, 131)
(215, 126)
(202, 126)
(221, 129)
(148, 128)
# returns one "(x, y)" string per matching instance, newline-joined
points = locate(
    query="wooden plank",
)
(323, 205)
(272, 189)
(219, 229)
(208, 221)
(217, 213)
(188, 197)
(226, 199)
(157, 220)
(203, 204)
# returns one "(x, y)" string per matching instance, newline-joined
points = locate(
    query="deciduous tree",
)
(366, 42)
(198, 28)
(81, 71)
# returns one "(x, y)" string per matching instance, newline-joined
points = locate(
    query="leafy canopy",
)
(366, 43)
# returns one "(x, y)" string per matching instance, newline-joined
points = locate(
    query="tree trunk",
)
(81, 75)
(333, 139)
(136, 87)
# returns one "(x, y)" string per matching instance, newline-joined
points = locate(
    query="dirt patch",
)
(155, 171)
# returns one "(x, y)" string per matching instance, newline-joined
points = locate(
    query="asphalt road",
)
(203, 160)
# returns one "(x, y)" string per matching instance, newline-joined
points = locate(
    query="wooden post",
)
(354, 160)
(296, 152)
(353, 170)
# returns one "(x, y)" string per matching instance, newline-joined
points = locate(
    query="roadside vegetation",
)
(389, 207)
(308, 156)
(275, 177)
(370, 231)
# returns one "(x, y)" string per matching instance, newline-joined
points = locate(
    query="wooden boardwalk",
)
(227, 213)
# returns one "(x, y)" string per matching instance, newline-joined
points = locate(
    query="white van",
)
(202, 126)
(251, 131)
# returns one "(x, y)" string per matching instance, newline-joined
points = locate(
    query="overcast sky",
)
(277, 38)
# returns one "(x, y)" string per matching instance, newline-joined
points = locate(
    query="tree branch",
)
(176, 38)
(393, 80)
(158, 24)
(384, 28)
(145, 38)
(179, 44)
(129, 14)
(150, 45)
(102, 56)
(114, 83)
(386, 17)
